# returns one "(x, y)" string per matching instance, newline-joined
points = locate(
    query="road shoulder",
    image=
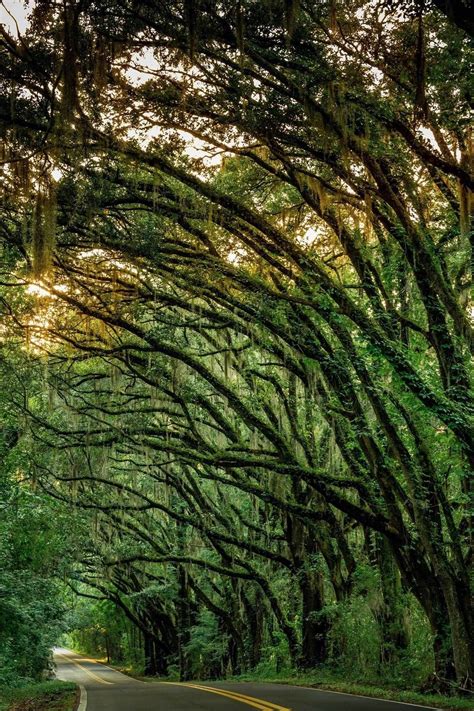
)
(44, 696)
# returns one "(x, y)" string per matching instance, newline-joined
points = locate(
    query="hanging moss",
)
(333, 15)
(239, 33)
(465, 194)
(25, 229)
(69, 69)
(191, 10)
(318, 191)
(101, 61)
(114, 374)
(322, 195)
(292, 8)
(21, 170)
(226, 365)
(421, 104)
(465, 200)
(44, 231)
(315, 117)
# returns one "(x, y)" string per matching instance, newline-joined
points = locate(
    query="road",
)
(105, 689)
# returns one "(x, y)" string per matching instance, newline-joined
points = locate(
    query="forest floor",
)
(330, 680)
(44, 696)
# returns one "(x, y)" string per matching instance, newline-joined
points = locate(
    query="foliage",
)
(31, 606)
(237, 323)
(45, 696)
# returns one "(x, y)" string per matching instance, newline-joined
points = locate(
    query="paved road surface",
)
(105, 689)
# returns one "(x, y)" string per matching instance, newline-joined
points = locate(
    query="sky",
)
(11, 10)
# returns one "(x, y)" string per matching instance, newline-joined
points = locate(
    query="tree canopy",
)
(237, 328)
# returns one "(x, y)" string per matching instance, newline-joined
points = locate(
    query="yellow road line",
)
(91, 674)
(261, 704)
(95, 661)
(270, 704)
(255, 703)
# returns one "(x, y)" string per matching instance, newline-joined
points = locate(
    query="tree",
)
(293, 324)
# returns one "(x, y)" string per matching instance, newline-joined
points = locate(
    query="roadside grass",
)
(43, 696)
(392, 690)
(332, 680)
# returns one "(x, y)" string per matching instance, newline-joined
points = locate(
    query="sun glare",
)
(37, 290)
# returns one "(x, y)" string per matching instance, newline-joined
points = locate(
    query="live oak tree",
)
(293, 323)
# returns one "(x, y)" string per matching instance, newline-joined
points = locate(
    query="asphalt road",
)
(104, 689)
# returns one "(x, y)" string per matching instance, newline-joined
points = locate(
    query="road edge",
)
(322, 687)
(82, 706)
(375, 698)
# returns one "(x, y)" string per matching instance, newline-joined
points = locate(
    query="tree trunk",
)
(150, 655)
(184, 625)
(314, 624)
(255, 620)
(428, 594)
(462, 630)
(445, 598)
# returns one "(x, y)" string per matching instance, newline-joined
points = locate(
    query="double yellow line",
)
(248, 700)
(87, 671)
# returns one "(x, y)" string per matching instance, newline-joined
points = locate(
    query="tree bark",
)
(315, 625)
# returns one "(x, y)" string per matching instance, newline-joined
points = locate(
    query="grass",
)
(43, 696)
(332, 681)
